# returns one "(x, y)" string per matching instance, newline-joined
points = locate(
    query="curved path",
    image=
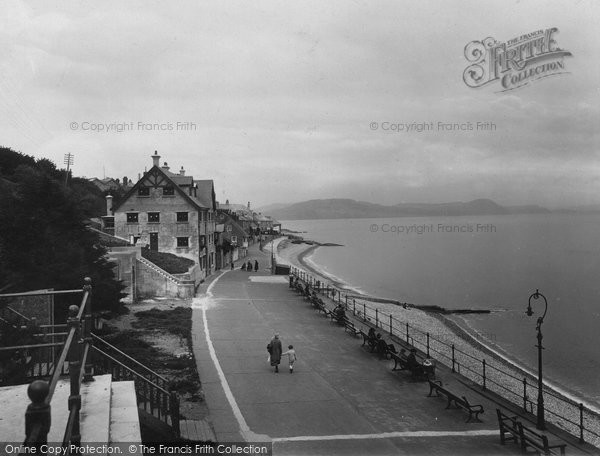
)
(340, 399)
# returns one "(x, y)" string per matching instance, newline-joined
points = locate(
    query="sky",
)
(281, 102)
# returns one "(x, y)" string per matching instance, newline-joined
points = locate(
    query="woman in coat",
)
(275, 351)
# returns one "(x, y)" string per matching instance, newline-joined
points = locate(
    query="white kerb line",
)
(213, 354)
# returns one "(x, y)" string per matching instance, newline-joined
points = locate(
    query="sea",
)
(490, 263)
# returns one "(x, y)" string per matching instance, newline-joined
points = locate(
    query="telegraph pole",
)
(69, 160)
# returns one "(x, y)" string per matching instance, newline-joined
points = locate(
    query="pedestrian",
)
(232, 265)
(243, 266)
(256, 265)
(291, 354)
(274, 349)
(249, 266)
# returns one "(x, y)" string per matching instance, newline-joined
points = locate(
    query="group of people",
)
(247, 266)
(276, 353)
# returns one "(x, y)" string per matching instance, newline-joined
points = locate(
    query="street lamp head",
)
(529, 311)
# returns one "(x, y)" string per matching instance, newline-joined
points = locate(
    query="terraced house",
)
(171, 213)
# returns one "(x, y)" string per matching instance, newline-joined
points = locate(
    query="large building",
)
(171, 213)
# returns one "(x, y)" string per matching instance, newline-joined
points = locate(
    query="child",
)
(291, 353)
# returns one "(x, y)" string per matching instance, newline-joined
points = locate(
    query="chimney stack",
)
(155, 159)
(165, 167)
(182, 171)
(248, 204)
(109, 200)
(125, 181)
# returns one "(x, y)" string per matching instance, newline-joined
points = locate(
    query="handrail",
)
(136, 374)
(38, 415)
(468, 364)
(159, 270)
(129, 358)
(166, 407)
(39, 293)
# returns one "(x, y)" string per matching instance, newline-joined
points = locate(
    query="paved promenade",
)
(341, 399)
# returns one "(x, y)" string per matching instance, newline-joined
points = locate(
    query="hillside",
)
(348, 208)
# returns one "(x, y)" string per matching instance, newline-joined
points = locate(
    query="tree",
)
(44, 242)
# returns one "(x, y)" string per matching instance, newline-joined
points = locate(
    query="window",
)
(144, 191)
(183, 242)
(132, 217)
(229, 228)
(234, 239)
(182, 216)
(169, 191)
(153, 217)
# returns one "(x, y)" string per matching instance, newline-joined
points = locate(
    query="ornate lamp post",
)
(540, 400)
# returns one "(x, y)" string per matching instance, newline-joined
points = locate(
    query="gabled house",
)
(233, 232)
(170, 213)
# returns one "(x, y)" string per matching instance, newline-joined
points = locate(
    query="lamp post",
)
(540, 400)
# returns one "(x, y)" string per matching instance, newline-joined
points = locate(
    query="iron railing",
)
(493, 373)
(70, 353)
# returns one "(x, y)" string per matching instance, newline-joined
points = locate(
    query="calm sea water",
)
(485, 262)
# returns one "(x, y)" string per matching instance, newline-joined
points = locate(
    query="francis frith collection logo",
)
(516, 62)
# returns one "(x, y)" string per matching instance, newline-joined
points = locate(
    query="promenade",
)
(341, 399)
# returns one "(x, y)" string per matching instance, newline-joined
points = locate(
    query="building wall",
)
(168, 228)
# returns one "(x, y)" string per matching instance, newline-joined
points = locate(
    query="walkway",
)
(341, 399)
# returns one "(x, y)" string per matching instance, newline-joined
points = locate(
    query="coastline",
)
(445, 328)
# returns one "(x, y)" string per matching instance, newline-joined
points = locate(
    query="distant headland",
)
(349, 208)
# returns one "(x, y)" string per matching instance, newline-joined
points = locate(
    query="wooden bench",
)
(399, 360)
(508, 425)
(371, 341)
(525, 437)
(349, 327)
(460, 402)
(533, 439)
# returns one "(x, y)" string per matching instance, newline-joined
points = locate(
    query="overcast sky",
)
(283, 97)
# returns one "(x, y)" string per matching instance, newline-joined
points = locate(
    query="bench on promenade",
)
(319, 305)
(349, 327)
(368, 340)
(400, 361)
(460, 402)
(524, 436)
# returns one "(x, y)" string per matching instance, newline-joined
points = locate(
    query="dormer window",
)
(144, 191)
(169, 191)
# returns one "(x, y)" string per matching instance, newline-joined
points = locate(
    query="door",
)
(154, 242)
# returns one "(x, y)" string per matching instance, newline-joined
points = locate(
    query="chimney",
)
(125, 181)
(248, 204)
(165, 167)
(109, 201)
(182, 171)
(155, 159)
(227, 202)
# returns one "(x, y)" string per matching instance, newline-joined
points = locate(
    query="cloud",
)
(282, 97)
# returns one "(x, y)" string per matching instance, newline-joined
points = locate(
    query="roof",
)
(227, 219)
(206, 193)
(159, 175)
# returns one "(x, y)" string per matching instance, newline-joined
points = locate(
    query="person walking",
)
(274, 349)
(249, 266)
(255, 265)
(291, 354)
